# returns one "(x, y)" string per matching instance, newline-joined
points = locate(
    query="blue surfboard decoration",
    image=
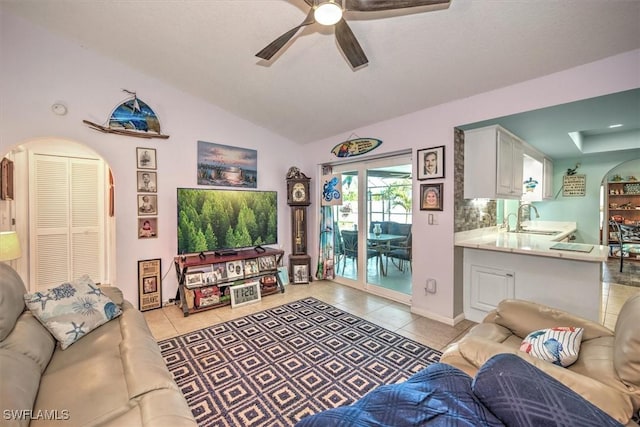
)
(356, 147)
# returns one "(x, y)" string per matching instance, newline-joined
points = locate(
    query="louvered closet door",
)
(67, 207)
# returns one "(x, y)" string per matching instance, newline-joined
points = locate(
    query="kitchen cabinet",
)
(493, 165)
(487, 287)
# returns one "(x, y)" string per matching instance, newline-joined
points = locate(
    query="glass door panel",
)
(346, 228)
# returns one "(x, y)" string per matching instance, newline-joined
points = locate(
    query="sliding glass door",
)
(373, 226)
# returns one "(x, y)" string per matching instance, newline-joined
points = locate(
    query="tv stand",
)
(205, 279)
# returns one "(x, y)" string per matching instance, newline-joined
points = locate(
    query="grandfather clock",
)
(298, 198)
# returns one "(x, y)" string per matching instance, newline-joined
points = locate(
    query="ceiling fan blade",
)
(378, 5)
(273, 47)
(349, 45)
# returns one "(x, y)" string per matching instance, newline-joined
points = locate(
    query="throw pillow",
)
(72, 310)
(558, 345)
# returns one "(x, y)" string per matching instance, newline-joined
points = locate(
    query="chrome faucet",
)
(519, 218)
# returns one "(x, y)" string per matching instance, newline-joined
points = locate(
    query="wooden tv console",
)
(205, 280)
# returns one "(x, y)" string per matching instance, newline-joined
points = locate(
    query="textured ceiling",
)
(308, 91)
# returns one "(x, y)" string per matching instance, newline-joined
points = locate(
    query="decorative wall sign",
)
(574, 185)
(331, 190)
(227, 166)
(149, 284)
(356, 147)
(133, 117)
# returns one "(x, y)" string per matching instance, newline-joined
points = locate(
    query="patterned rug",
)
(274, 367)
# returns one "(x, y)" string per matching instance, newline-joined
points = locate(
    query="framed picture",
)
(431, 197)
(266, 263)
(149, 284)
(193, 279)
(147, 228)
(227, 166)
(147, 204)
(247, 293)
(283, 275)
(299, 268)
(431, 163)
(146, 158)
(6, 179)
(147, 182)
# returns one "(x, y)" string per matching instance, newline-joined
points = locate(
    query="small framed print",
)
(147, 228)
(431, 197)
(147, 204)
(147, 182)
(251, 267)
(267, 263)
(247, 293)
(193, 280)
(6, 179)
(235, 270)
(146, 158)
(149, 284)
(431, 163)
(300, 269)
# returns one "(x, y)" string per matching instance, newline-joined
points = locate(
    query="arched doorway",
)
(61, 211)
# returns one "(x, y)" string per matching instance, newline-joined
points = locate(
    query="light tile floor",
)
(169, 321)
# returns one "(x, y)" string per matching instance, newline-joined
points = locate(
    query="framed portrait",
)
(431, 163)
(149, 284)
(299, 269)
(147, 204)
(431, 197)
(147, 228)
(147, 182)
(146, 158)
(194, 279)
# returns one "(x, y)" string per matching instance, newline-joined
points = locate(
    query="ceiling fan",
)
(329, 12)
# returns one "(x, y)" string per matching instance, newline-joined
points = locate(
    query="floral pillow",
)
(72, 310)
(558, 345)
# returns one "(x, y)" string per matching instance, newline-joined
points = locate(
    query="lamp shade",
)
(9, 246)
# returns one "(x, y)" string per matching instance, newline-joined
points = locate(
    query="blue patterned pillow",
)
(72, 310)
(559, 345)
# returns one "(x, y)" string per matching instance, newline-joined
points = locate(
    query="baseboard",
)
(433, 316)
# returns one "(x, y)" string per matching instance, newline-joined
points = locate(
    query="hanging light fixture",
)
(327, 12)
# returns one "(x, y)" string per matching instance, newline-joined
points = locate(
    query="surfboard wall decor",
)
(133, 117)
(356, 147)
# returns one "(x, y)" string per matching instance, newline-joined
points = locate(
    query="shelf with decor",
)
(623, 206)
(214, 280)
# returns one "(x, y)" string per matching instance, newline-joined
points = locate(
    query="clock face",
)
(299, 193)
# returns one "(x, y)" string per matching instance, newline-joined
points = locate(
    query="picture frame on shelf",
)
(431, 163)
(147, 204)
(146, 158)
(149, 284)
(431, 197)
(147, 228)
(147, 182)
(193, 279)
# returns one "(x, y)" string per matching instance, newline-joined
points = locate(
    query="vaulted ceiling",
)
(417, 58)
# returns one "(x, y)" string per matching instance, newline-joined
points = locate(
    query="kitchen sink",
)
(540, 232)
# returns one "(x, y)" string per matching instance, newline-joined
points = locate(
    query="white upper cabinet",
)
(493, 162)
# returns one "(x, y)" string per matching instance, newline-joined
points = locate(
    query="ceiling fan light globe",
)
(327, 13)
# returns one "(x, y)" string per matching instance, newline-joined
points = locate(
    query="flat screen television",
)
(224, 220)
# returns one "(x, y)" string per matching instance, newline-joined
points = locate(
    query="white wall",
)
(38, 68)
(433, 244)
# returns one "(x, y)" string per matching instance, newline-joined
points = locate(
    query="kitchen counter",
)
(498, 264)
(496, 239)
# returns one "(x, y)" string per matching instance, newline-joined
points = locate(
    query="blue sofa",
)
(506, 391)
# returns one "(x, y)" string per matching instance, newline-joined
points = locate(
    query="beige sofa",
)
(113, 376)
(607, 372)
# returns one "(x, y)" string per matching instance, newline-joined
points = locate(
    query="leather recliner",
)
(607, 372)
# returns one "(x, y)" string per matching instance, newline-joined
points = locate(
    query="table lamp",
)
(9, 246)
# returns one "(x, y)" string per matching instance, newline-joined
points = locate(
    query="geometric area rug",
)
(276, 366)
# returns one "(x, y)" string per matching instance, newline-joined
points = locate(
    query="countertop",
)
(496, 239)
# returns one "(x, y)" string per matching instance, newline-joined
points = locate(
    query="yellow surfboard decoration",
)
(356, 147)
